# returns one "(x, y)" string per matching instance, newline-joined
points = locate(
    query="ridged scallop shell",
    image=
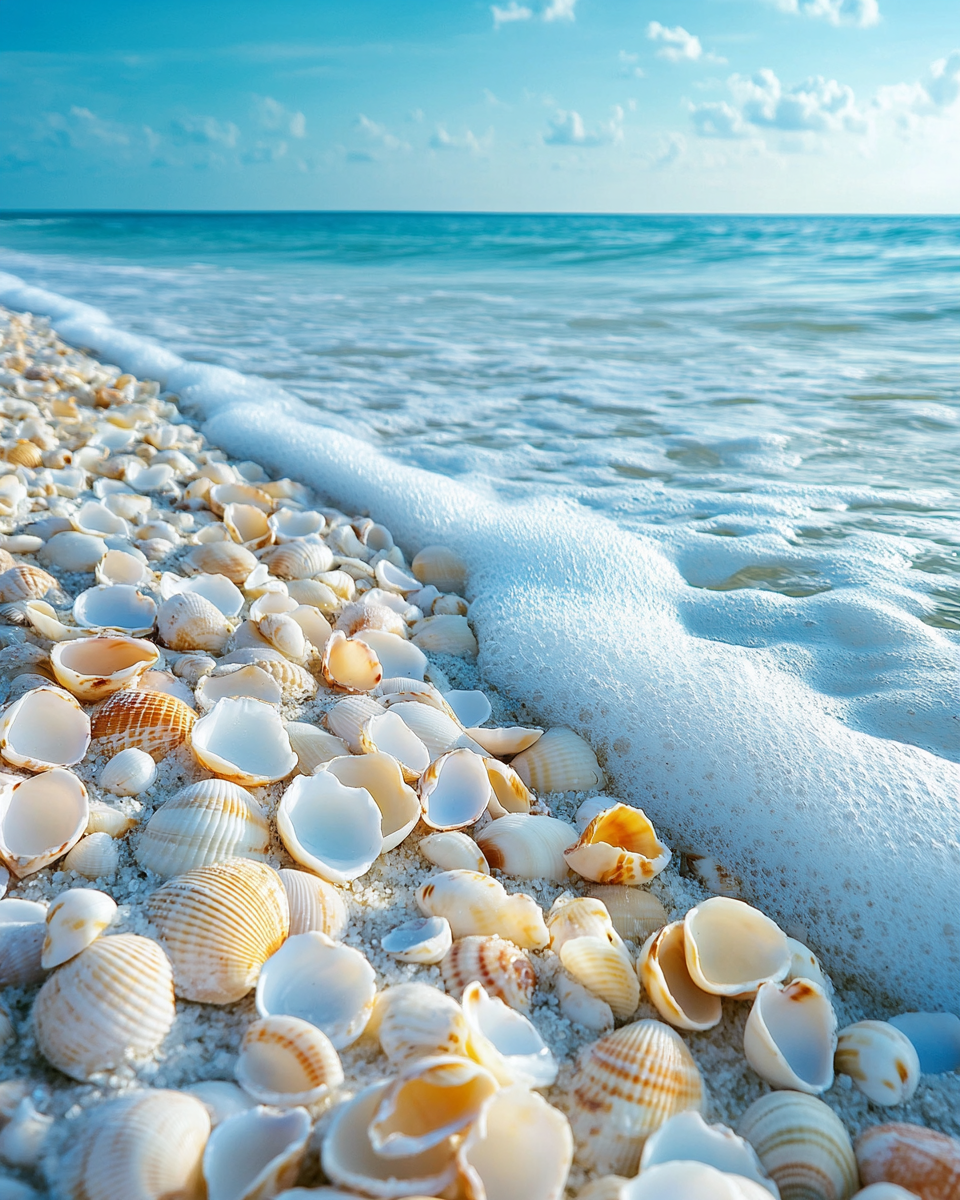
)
(243, 741)
(921, 1160)
(300, 559)
(128, 773)
(286, 1062)
(296, 683)
(625, 1086)
(662, 967)
(395, 655)
(92, 668)
(802, 1145)
(111, 1004)
(123, 1149)
(219, 925)
(454, 789)
(22, 932)
(502, 743)
(414, 1020)
(329, 827)
(24, 582)
(605, 969)
(44, 728)
(434, 728)
(41, 817)
(350, 664)
(202, 824)
(791, 1035)
(620, 845)
(521, 1148)
(508, 792)
(151, 721)
(347, 717)
(446, 634)
(118, 607)
(387, 734)
(314, 904)
(478, 904)
(441, 567)
(422, 940)
(528, 847)
(505, 1042)
(635, 913)
(880, 1060)
(255, 1154)
(579, 916)
(667, 1181)
(499, 966)
(95, 856)
(732, 948)
(687, 1137)
(103, 818)
(560, 761)
(452, 850)
(399, 689)
(188, 621)
(76, 918)
(382, 777)
(221, 558)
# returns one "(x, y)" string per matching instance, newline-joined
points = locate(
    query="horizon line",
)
(452, 212)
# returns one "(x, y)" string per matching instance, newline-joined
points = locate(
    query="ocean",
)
(704, 470)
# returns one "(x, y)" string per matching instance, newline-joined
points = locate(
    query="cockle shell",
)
(312, 746)
(296, 683)
(441, 567)
(478, 904)
(880, 1060)
(683, 1180)
(662, 967)
(192, 666)
(188, 621)
(74, 920)
(24, 582)
(791, 1035)
(386, 733)
(95, 856)
(286, 1062)
(528, 847)
(635, 913)
(348, 716)
(300, 559)
(625, 1086)
(520, 1148)
(333, 829)
(44, 728)
(204, 823)
(111, 1004)
(92, 668)
(619, 845)
(321, 981)
(502, 743)
(398, 689)
(395, 655)
(422, 940)
(921, 1160)
(434, 728)
(500, 966)
(732, 948)
(221, 558)
(414, 1020)
(254, 1154)
(151, 721)
(579, 916)
(605, 969)
(454, 789)
(314, 904)
(115, 607)
(452, 850)
(219, 925)
(41, 817)
(687, 1137)
(505, 1042)
(244, 741)
(128, 773)
(802, 1145)
(446, 634)
(350, 664)
(508, 792)
(560, 761)
(382, 777)
(22, 932)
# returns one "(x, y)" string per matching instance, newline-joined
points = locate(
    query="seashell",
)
(45, 728)
(321, 981)
(346, 545)
(24, 582)
(451, 850)
(236, 683)
(225, 596)
(884, 1191)
(450, 604)
(732, 948)
(315, 626)
(501, 743)
(220, 1098)
(329, 827)
(711, 874)
(382, 777)
(313, 593)
(272, 602)
(414, 1021)
(500, 966)
(111, 1004)
(434, 728)
(349, 1159)
(804, 964)
(339, 582)
(287, 1062)
(441, 567)
(376, 537)
(478, 904)
(118, 607)
(935, 1037)
(222, 494)
(92, 668)
(296, 683)
(42, 617)
(604, 1187)
(73, 552)
(681, 1179)
(387, 734)
(527, 847)
(192, 666)
(625, 1086)
(254, 1154)
(221, 558)
(24, 454)
(662, 967)
(124, 1149)
(314, 904)
(454, 789)
(592, 808)
(579, 916)
(688, 1138)
(243, 741)
(559, 761)
(283, 634)
(471, 708)
(96, 518)
(791, 1036)
(605, 969)
(635, 913)
(95, 856)
(202, 824)
(41, 818)
(348, 716)
(22, 930)
(350, 664)
(396, 656)
(247, 525)
(188, 621)
(103, 818)
(422, 940)
(288, 524)
(219, 925)
(505, 1042)
(122, 567)
(921, 1160)
(301, 559)
(508, 792)
(880, 1059)
(446, 634)
(312, 746)
(802, 1145)
(619, 846)
(74, 920)
(23, 1138)
(151, 721)
(520, 1148)
(401, 690)
(366, 615)
(394, 579)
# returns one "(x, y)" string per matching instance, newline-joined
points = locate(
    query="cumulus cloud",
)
(560, 10)
(205, 131)
(381, 134)
(679, 46)
(513, 12)
(863, 13)
(552, 10)
(568, 129)
(935, 96)
(467, 141)
(718, 119)
(672, 146)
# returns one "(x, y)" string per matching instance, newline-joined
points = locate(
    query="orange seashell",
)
(152, 721)
(921, 1160)
(502, 968)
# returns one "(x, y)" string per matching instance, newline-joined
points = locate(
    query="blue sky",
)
(543, 105)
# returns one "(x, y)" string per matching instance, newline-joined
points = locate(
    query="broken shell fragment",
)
(74, 920)
(333, 829)
(678, 1180)
(92, 668)
(921, 1160)
(478, 904)
(802, 1145)
(255, 1154)
(688, 1138)
(350, 664)
(122, 566)
(244, 741)
(22, 932)
(395, 655)
(314, 904)
(41, 818)
(520, 1148)
(454, 789)
(881, 1061)
(128, 773)
(204, 823)
(619, 845)
(386, 733)
(422, 940)
(237, 683)
(286, 1062)
(502, 743)
(499, 966)
(154, 722)
(732, 948)
(312, 746)
(45, 728)
(382, 777)
(434, 728)
(115, 607)
(528, 847)
(452, 850)
(221, 558)
(508, 792)
(95, 856)
(560, 761)
(662, 967)
(791, 1036)
(471, 708)
(505, 1042)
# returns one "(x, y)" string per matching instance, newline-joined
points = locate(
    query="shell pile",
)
(285, 909)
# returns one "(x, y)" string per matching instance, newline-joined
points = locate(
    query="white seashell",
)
(687, 1137)
(223, 594)
(604, 968)
(41, 818)
(349, 664)
(619, 846)
(287, 1062)
(283, 634)
(300, 559)
(508, 792)
(635, 913)
(123, 567)
(188, 621)
(441, 567)
(105, 819)
(505, 1042)
(272, 602)
(791, 1036)
(4, 881)
(192, 665)
(44, 728)
(924, 1162)
(451, 850)
(732, 948)
(935, 1037)
(289, 524)
(802, 1145)
(128, 773)
(314, 904)
(604, 1187)
(152, 479)
(154, 722)
(95, 856)
(528, 847)
(111, 1004)
(581, 1006)
(221, 558)
(94, 517)
(23, 1138)
(395, 655)
(333, 829)
(559, 761)
(592, 808)
(478, 904)
(662, 967)
(454, 789)
(315, 626)
(502, 743)
(884, 1191)
(393, 579)
(387, 734)
(74, 920)
(204, 823)
(118, 607)
(414, 1020)
(399, 689)
(236, 683)
(222, 494)
(243, 741)
(247, 525)
(689, 1181)
(296, 683)
(347, 717)
(881, 1061)
(22, 930)
(500, 966)
(446, 634)
(92, 668)
(73, 551)
(315, 594)
(25, 582)
(321, 981)
(382, 777)
(220, 1098)
(435, 729)
(804, 964)
(169, 684)
(312, 746)
(471, 708)
(422, 940)
(254, 1154)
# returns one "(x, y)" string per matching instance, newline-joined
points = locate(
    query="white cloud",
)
(943, 80)
(262, 152)
(568, 129)
(560, 10)
(863, 13)
(381, 134)
(717, 119)
(672, 147)
(553, 10)
(467, 141)
(272, 116)
(915, 105)
(513, 12)
(628, 65)
(102, 131)
(679, 46)
(206, 131)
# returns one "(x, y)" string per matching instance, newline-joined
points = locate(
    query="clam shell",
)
(41, 817)
(802, 1145)
(93, 517)
(300, 559)
(287, 1062)
(619, 845)
(296, 683)
(105, 819)
(732, 948)
(235, 683)
(446, 634)
(45, 728)
(92, 668)
(330, 828)
(560, 761)
(662, 967)
(676, 1180)
(219, 925)
(247, 525)
(452, 850)
(111, 1004)
(314, 904)
(687, 1137)
(441, 567)
(312, 746)
(321, 981)
(315, 626)
(24, 582)
(422, 940)
(500, 966)
(579, 916)
(202, 824)
(626, 1085)
(271, 602)
(791, 1035)
(115, 607)
(395, 655)
(414, 1021)
(151, 721)
(315, 594)
(192, 666)
(382, 777)
(921, 1160)
(349, 664)
(505, 1042)
(881, 1061)
(501, 743)
(434, 728)
(884, 1191)
(22, 932)
(188, 621)
(222, 494)
(288, 524)
(605, 969)
(454, 789)
(521, 1148)
(95, 856)
(243, 741)
(478, 904)
(284, 634)
(128, 773)
(635, 913)
(255, 1154)
(508, 792)
(347, 717)
(122, 566)
(393, 579)
(528, 847)
(74, 920)
(221, 558)
(71, 551)
(385, 733)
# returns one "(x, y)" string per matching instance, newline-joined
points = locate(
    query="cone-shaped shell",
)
(286, 1062)
(560, 761)
(880, 1060)
(520, 1149)
(619, 845)
(255, 1154)
(111, 1004)
(314, 904)
(662, 967)
(478, 904)
(243, 741)
(732, 948)
(422, 940)
(687, 1137)
(219, 925)
(41, 817)
(414, 1020)
(95, 856)
(312, 746)
(605, 969)
(508, 792)
(802, 1145)
(505, 1042)
(350, 664)
(92, 668)
(454, 789)
(452, 850)
(202, 824)
(499, 966)
(921, 1160)
(116, 606)
(626, 1085)
(151, 721)
(44, 728)
(382, 776)
(188, 621)
(385, 733)
(348, 716)
(635, 913)
(75, 919)
(528, 847)
(791, 1035)
(330, 828)
(442, 567)
(221, 558)
(128, 773)
(446, 634)
(301, 559)
(22, 932)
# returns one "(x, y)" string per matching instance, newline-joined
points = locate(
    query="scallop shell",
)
(333, 829)
(300, 559)
(478, 904)
(296, 683)
(24, 582)
(243, 741)
(95, 856)
(791, 1035)
(662, 967)
(802, 1145)
(202, 824)
(521, 1148)
(116, 606)
(605, 969)
(626, 1085)
(500, 966)
(247, 525)
(312, 746)
(314, 904)
(502, 743)
(441, 567)
(92, 668)
(151, 721)
(505, 1042)
(349, 664)
(45, 728)
(255, 1154)
(395, 655)
(508, 792)
(422, 940)
(347, 717)
(41, 818)
(434, 728)
(880, 1060)
(188, 621)
(414, 1020)
(284, 634)
(687, 1137)
(321, 981)
(452, 850)
(619, 845)
(921, 1160)
(635, 913)
(732, 948)
(111, 1004)
(382, 777)
(22, 932)
(287, 1062)
(221, 558)
(446, 634)
(528, 847)
(74, 920)
(387, 734)
(560, 761)
(667, 1181)
(219, 925)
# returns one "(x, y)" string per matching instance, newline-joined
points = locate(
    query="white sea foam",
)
(808, 744)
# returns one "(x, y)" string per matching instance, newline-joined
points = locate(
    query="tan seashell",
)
(74, 920)
(508, 792)
(802, 1145)
(45, 728)
(605, 969)
(221, 558)
(115, 606)
(102, 818)
(880, 1060)
(254, 1154)
(247, 525)
(283, 634)
(619, 845)
(422, 940)
(314, 904)
(22, 932)
(333, 829)
(24, 582)
(222, 494)
(243, 741)
(441, 567)
(712, 874)
(360, 615)
(452, 850)
(500, 966)
(340, 583)
(95, 856)
(347, 717)
(528, 847)
(505, 1042)
(732, 948)
(111, 1004)
(382, 777)
(315, 594)
(124, 567)
(202, 824)
(350, 664)
(501, 743)
(454, 789)
(151, 721)
(579, 916)
(188, 621)
(662, 967)
(387, 734)
(92, 668)
(312, 746)
(791, 1036)
(219, 925)
(446, 634)
(23, 453)
(478, 904)
(635, 913)
(626, 1085)
(192, 666)
(286, 1062)
(560, 761)
(921, 1160)
(41, 818)
(414, 1021)
(301, 559)
(296, 683)
(24, 1137)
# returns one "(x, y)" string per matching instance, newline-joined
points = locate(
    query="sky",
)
(525, 105)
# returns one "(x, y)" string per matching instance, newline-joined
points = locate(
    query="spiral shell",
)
(802, 1145)
(300, 559)
(285, 1061)
(151, 721)
(314, 904)
(41, 818)
(662, 967)
(202, 824)
(188, 621)
(478, 904)
(921, 1160)
(528, 847)
(620, 845)
(501, 967)
(560, 761)
(75, 919)
(414, 1020)
(45, 728)
(880, 1060)
(243, 741)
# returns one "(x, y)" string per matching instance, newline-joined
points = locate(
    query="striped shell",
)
(95, 856)
(296, 682)
(348, 716)
(446, 634)
(24, 582)
(619, 845)
(152, 721)
(285, 1061)
(921, 1160)
(414, 1020)
(221, 558)
(605, 969)
(312, 746)
(203, 824)
(128, 773)
(560, 761)
(314, 904)
(93, 668)
(188, 621)
(528, 847)
(802, 1145)
(300, 559)
(501, 967)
